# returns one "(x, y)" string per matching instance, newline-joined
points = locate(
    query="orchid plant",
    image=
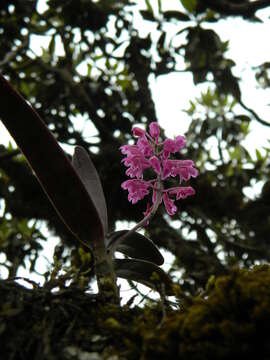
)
(78, 197)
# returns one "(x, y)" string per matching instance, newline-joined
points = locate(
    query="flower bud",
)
(154, 130)
(138, 131)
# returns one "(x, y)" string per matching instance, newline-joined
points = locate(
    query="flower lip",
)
(173, 146)
(184, 168)
(181, 192)
(137, 189)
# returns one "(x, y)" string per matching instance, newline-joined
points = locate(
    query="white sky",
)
(249, 47)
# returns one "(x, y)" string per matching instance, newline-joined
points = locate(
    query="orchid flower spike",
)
(151, 153)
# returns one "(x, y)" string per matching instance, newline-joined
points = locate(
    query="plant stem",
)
(146, 219)
(105, 274)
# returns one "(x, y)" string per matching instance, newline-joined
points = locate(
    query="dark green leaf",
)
(89, 176)
(160, 6)
(149, 6)
(143, 272)
(147, 15)
(189, 5)
(259, 155)
(137, 246)
(173, 14)
(161, 41)
(243, 118)
(52, 45)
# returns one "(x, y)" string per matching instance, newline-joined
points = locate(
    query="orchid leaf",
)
(143, 272)
(90, 178)
(136, 246)
(50, 164)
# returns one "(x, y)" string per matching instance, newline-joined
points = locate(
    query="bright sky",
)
(249, 47)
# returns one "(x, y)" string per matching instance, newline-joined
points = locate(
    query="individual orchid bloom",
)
(129, 149)
(135, 161)
(154, 131)
(180, 143)
(144, 145)
(184, 168)
(181, 192)
(173, 146)
(136, 165)
(149, 153)
(137, 189)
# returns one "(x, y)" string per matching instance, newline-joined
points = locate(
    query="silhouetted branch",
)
(246, 9)
(255, 115)
(12, 54)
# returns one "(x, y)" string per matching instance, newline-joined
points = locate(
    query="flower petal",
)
(169, 204)
(155, 164)
(138, 131)
(181, 192)
(137, 189)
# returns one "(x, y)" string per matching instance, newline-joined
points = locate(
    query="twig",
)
(246, 8)
(12, 54)
(256, 116)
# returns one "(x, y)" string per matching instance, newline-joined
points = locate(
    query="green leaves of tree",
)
(189, 5)
(175, 15)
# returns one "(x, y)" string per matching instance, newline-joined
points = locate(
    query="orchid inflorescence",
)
(150, 152)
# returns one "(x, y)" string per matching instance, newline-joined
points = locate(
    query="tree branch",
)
(12, 54)
(255, 115)
(246, 9)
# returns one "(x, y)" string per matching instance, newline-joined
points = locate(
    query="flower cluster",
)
(149, 152)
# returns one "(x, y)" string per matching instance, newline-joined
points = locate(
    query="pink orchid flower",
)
(150, 153)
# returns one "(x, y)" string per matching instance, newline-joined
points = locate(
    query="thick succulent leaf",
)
(90, 178)
(136, 246)
(143, 272)
(53, 169)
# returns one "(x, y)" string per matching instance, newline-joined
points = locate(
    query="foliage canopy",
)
(95, 70)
